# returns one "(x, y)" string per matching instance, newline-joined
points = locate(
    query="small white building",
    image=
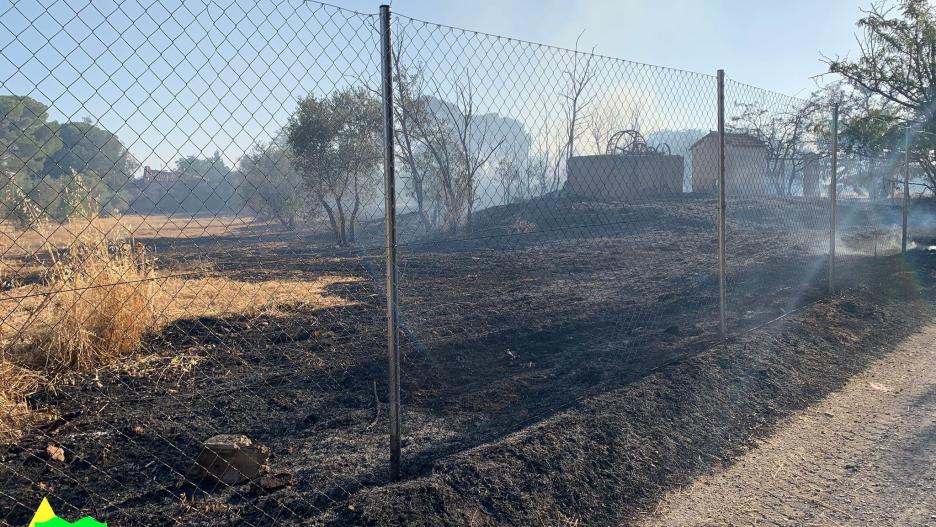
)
(745, 165)
(815, 169)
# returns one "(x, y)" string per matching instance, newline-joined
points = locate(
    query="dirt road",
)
(865, 455)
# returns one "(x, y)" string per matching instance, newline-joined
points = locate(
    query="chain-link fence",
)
(194, 255)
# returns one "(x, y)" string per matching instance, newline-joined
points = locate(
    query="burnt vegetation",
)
(562, 357)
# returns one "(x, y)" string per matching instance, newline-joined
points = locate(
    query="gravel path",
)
(865, 455)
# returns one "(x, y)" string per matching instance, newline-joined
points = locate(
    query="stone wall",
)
(624, 177)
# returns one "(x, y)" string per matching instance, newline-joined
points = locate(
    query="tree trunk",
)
(354, 210)
(420, 204)
(342, 236)
(331, 218)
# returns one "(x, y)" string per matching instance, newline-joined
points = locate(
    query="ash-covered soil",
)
(554, 363)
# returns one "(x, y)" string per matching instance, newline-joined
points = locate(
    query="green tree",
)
(26, 136)
(269, 186)
(870, 137)
(896, 64)
(26, 140)
(97, 154)
(207, 185)
(335, 146)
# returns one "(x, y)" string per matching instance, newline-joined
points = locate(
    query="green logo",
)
(45, 517)
(84, 522)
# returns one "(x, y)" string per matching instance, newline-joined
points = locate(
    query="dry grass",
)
(167, 300)
(100, 300)
(18, 383)
(218, 296)
(17, 242)
(101, 307)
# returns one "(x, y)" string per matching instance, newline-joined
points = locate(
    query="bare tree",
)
(475, 146)
(785, 135)
(578, 77)
(410, 115)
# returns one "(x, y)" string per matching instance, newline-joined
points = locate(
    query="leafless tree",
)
(475, 146)
(410, 115)
(577, 77)
(785, 135)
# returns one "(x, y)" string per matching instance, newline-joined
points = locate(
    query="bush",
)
(99, 309)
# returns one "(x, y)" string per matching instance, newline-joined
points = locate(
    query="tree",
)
(335, 147)
(269, 185)
(897, 65)
(26, 140)
(578, 77)
(522, 179)
(787, 136)
(410, 116)
(869, 137)
(207, 184)
(98, 155)
(474, 147)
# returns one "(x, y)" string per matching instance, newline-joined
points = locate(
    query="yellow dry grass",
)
(101, 299)
(18, 242)
(17, 384)
(181, 298)
(26, 311)
(101, 307)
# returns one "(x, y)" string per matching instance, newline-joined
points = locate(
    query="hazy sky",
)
(174, 77)
(773, 44)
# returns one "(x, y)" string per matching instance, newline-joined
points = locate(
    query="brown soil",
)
(864, 455)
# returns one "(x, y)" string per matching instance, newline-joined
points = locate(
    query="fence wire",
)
(169, 269)
(193, 307)
(551, 244)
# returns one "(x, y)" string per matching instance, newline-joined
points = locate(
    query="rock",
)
(135, 430)
(273, 482)
(231, 459)
(55, 453)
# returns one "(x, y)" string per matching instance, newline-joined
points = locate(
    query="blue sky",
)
(772, 44)
(175, 78)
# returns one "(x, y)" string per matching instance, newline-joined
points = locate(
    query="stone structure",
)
(745, 165)
(630, 169)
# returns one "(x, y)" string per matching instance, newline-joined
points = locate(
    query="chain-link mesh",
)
(193, 320)
(551, 245)
(171, 271)
(778, 211)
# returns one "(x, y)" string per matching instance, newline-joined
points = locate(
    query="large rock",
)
(231, 459)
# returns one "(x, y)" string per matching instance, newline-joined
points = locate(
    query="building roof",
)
(733, 139)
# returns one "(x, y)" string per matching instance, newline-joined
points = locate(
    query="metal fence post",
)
(393, 333)
(833, 197)
(722, 267)
(906, 190)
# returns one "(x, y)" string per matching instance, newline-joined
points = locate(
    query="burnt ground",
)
(562, 358)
